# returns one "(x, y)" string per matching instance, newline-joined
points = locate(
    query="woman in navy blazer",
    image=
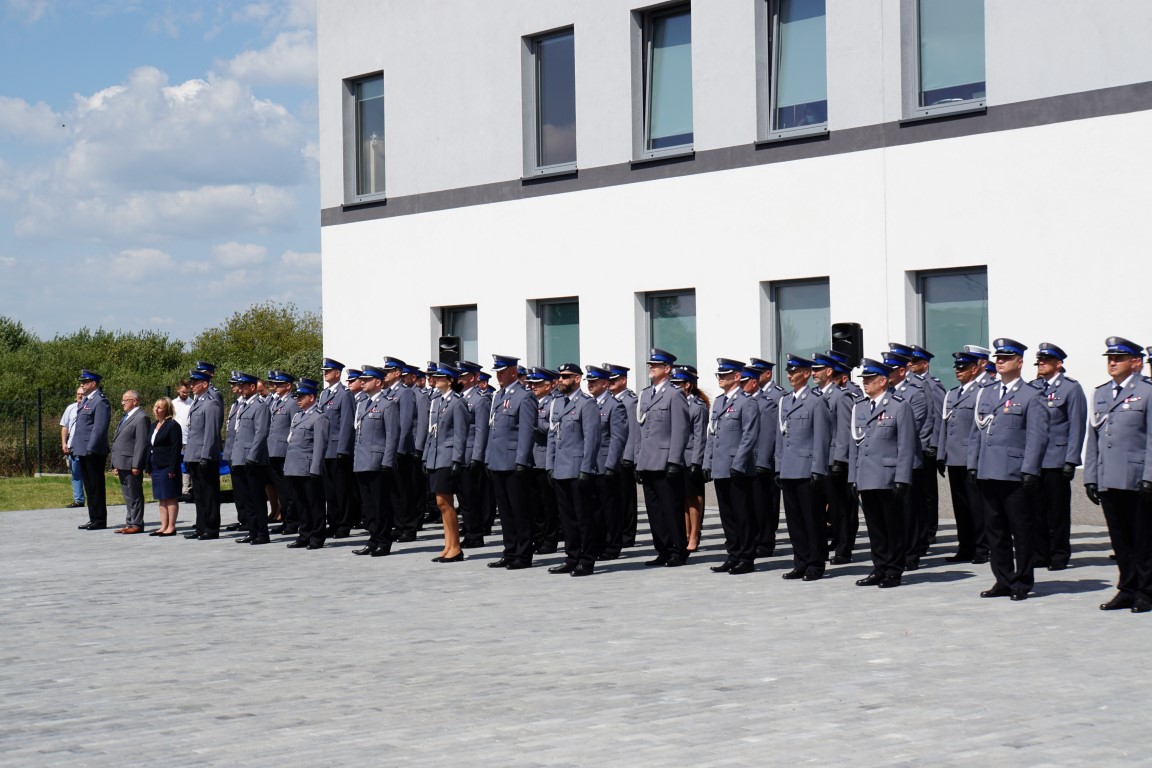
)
(167, 440)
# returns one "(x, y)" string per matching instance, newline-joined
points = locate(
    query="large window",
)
(667, 81)
(368, 98)
(799, 65)
(950, 36)
(672, 324)
(461, 321)
(954, 312)
(559, 332)
(803, 318)
(553, 93)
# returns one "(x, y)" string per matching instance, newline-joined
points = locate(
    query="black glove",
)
(941, 468)
(673, 471)
(610, 473)
(476, 466)
(971, 477)
(419, 455)
(204, 463)
(1068, 471)
(695, 473)
(817, 478)
(341, 456)
(585, 477)
(457, 470)
(778, 478)
(899, 490)
(1093, 492)
(628, 465)
(314, 475)
(762, 471)
(707, 475)
(386, 469)
(1146, 491)
(839, 468)
(551, 477)
(852, 488)
(424, 468)
(930, 453)
(1030, 481)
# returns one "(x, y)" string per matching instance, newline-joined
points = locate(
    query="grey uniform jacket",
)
(628, 398)
(421, 401)
(230, 431)
(1119, 454)
(377, 435)
(934, 392)
(480, 407)
(912, 390)
(885, 443)
(281, 411)
(447, 432)
(803, 425)
(839, 403)
(337, 404)
(307, 443)
(956, 425)
(251, 446)
(408, 416)
(205, 418)
(130, 447)
(90, 433)
(733, 429)
(613, 433)
(769, 401)
(698, 416)
(511, 429)
(574, 439)
(1067, 420)
(540, 434)
(1009, 434)
(664, 428)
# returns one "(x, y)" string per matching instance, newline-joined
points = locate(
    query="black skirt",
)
(693, 487)
(164, 487)
(440, 480)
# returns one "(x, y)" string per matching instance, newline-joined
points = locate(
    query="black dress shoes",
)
(563, 568)
(888, 582)
(501, 563)
(741, 567)
(365, 550)
(298, 545)
(545, 549)
(316, 545)
(1058, 566)
(259, 540)
(912, 565)
(1141, 605)
(1019, 594)
(456, 558)
(997, 591)
(609, 556)
(342, 533)
(472, 542)
(74, 505)
(582, 570)
(840, 560)
(245, 540)
(676, 562)
(1121, 601)
(380, 552)
(406, 537)
(192, 535)
(660, 560)
(208, 536)
(980, 560)
(793, 574)
(959, 557)
(870, 580)
(813, 576)
(724, 567)
(765, 551)
(518, 565)
(233, 527)
(90, 526)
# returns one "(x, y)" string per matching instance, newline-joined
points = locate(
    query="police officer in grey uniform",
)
(607, 508)
(730, 461)
(883, 449)
(202, 454)
(1118, 470)
(952, 459)
(473, 486)
(250, 461)
(766, 495)
(409, 486)
(1068, 412)
(511, 431)
(90, 446)
(626, 488)
(662, 416)
(545, 516)
(353, 383)
(281, 408)
(934, 391)
(374, 461)
(573, 450)
(445, 453)
(1010, 435)
(916, 526)
(340, 408)
(832, 374)
(226, 449)
(803, 423)
(685, 377)
(304, 465)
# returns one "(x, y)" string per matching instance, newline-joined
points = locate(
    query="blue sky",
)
(157, 162)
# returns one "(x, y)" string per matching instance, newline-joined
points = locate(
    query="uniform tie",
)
(1116, 391)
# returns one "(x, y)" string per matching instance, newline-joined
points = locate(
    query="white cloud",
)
(139, 263)
(300, 260)
(7, 262)
(239, 254)
(290, 59)
(29, 10)
(34, 122)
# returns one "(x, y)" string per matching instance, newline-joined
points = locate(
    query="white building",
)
(729, 177)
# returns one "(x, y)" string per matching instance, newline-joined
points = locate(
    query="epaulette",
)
(818, 392)
(897, 398)
(1036, 386)
(989, 383)
(1106, 384)
(1069, 378)
(1147, 379)
(857, 399)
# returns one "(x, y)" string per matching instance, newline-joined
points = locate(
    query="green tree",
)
(265, 336)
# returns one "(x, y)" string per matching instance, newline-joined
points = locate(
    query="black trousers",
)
(206, 488)
(515, 515)
(472, 493)
(919, 526)
(92, 474)
(288, 512)
(805, 526)
(930, 493)
(766, 498)
(629, 517)
(1130, 528)
(664, 500)
(311, 501)
(407, 490)
(843, 512)
(582, 534)
(376, 507)
(737, 515)
(1008, 524)
(608, 509)
(968, 506)
(1053, 536)
(248, 483)
(340, 493)
(545, 515)
(884, 517)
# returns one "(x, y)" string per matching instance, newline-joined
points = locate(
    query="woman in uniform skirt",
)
(444, 454)
(699, 409)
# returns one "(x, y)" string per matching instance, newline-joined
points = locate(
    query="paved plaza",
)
(122, 651)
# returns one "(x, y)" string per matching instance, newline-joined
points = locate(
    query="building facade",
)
(582, 180)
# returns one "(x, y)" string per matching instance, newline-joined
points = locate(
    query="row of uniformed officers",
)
(549, 456)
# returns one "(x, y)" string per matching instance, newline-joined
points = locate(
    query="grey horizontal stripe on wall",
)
(1005, 117)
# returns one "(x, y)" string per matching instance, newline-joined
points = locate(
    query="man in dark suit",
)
(90, 444)
(130, 459)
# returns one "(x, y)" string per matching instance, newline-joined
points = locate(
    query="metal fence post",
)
(24, 418)
(39, 431)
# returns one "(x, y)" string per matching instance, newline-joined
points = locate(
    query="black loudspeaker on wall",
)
(849, 339)
(450, 349)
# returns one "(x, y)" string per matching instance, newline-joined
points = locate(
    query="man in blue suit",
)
(1118, 470)
(573, 450)
(508, 454)
(730, 461)
(90, 446)
(662, 418)
(1010, 434)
